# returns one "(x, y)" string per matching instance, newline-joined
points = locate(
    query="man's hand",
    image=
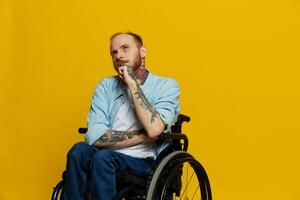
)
(127, 75)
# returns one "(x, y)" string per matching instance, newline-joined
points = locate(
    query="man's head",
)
(127, 49)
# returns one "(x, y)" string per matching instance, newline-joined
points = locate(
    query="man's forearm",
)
(147, 115)
(120, 139)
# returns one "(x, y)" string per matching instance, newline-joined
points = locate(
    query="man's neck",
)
(141, 74)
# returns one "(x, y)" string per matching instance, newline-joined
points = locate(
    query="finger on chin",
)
(121, 70)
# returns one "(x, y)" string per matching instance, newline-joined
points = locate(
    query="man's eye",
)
(125, 48)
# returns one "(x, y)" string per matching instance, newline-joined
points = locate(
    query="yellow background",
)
(237, 62)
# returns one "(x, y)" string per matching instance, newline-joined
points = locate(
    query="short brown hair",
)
(138, 39)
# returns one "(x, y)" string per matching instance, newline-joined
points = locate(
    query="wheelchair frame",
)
(168, 165)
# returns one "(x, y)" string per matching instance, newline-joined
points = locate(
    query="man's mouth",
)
(122, 63)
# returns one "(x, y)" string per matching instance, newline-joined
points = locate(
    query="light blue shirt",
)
(109, 95)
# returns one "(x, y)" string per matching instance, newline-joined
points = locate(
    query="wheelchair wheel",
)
(179, 176)
(58, 192)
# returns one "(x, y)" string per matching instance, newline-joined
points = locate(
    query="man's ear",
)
(143, 52)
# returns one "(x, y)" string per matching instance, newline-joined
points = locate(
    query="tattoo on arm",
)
(146, 105)
(140, 95)
(112, 136)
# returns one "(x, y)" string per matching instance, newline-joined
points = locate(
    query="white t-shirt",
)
(126, 120)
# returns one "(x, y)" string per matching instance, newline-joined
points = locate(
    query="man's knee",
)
(78, 150)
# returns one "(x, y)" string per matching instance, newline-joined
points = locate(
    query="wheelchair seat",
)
(169, 177)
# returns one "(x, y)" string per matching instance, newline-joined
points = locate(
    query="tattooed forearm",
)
(146, 105)
(112, 136)
(140, 95)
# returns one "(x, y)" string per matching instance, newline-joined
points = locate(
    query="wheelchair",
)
(175, 174)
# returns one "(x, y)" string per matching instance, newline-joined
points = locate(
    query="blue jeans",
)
(90, 168)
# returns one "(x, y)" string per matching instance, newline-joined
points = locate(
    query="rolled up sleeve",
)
(97, 119)
(168, 103)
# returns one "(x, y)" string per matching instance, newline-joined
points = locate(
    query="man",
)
(128, 113)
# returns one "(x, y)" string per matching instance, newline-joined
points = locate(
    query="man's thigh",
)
(122, 162)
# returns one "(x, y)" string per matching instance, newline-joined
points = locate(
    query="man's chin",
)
(134, 67)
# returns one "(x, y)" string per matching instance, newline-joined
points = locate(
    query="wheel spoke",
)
(195, 191)
(187, 184)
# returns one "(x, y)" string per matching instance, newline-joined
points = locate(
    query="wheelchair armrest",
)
(183, 118)
(179, 136)
(82, 130)
(176, 128)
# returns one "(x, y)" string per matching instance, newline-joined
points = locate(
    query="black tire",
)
(166, 180)
(58, 191)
